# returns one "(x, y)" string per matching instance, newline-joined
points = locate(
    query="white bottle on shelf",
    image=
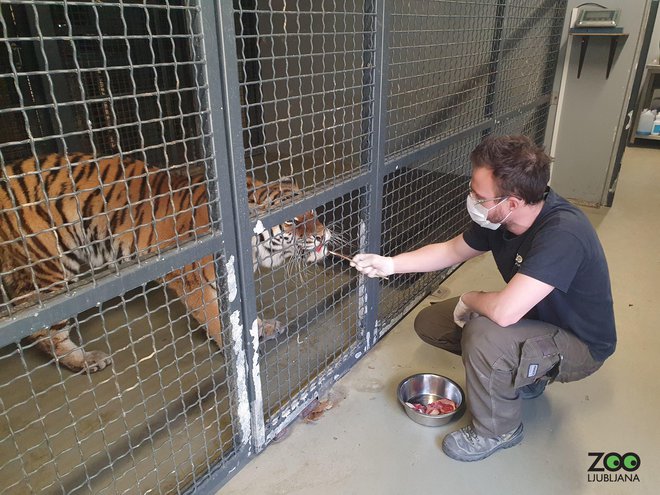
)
(646, 120)
(655, 131)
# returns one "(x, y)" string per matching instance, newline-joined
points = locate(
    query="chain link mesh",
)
(113, 98)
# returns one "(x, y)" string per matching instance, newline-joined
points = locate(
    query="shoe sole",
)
(506, 445)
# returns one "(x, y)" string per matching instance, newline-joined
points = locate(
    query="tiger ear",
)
(289, 180)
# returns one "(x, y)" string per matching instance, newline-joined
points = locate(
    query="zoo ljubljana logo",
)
(613, 467)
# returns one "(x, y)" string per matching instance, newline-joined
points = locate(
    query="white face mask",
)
(479, 213)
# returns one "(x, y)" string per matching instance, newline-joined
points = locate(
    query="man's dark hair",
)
(519, 166)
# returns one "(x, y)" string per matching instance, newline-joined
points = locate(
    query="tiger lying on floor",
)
(69, 215)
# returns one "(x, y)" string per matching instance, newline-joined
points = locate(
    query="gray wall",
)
(654, 49)
(592, 109)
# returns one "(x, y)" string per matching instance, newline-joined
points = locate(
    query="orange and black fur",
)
(63, 217)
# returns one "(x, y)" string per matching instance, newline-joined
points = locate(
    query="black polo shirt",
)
(561, 249)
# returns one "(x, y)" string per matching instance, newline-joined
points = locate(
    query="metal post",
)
(375, 120)
(243, 228)
(495, 56)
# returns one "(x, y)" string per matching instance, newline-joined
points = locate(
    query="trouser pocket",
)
(577, 362)
(538, 356)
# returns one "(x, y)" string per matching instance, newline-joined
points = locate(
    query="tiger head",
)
(311, 236)
(304, 237)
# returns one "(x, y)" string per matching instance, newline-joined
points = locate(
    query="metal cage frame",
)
(409, 155)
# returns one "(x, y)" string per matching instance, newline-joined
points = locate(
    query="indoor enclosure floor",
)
(366, 444)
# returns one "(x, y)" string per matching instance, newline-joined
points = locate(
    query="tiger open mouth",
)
(315, 251)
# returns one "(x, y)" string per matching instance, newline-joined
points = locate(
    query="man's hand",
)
(463, 314)
(373, 265)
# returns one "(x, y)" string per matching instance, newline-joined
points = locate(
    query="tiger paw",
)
(91, 362)
(96, 361)
(270, 329)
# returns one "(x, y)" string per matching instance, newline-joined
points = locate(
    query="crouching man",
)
(553, 320)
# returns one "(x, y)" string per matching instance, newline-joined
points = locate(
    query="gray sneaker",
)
(532, 390)
(466, 445)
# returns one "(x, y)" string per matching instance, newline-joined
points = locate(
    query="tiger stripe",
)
(64, 216)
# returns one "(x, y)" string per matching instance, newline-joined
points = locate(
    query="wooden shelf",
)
(647, 136)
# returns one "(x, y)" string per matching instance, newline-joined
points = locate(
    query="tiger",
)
(64, 216)
(272, 247)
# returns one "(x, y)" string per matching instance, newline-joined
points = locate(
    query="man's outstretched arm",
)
(429, 258)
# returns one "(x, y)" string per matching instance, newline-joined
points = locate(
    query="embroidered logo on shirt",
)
(531, 371)
(519, 260)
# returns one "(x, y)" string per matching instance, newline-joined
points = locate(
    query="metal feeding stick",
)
(344, 257)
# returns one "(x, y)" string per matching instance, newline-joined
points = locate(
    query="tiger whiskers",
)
(344, 257)
(339, 240)
(302, 265)
(295, 264)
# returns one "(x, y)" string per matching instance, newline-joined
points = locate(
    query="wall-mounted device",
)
(598, 23)
(598, 18)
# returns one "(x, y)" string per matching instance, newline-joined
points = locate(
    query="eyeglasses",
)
(481, 201)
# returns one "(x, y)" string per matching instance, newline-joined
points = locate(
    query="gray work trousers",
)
(499, 360)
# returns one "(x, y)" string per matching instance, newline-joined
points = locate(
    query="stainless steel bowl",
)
(424, 388)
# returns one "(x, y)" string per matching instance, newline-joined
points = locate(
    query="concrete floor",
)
(367, 445)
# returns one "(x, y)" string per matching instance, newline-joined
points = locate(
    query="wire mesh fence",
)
(183, 184)
(160, 417)
(423, 203)
(114, 294)
(529, 50)
(302, 66)
(440, 67)
(459, 70)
